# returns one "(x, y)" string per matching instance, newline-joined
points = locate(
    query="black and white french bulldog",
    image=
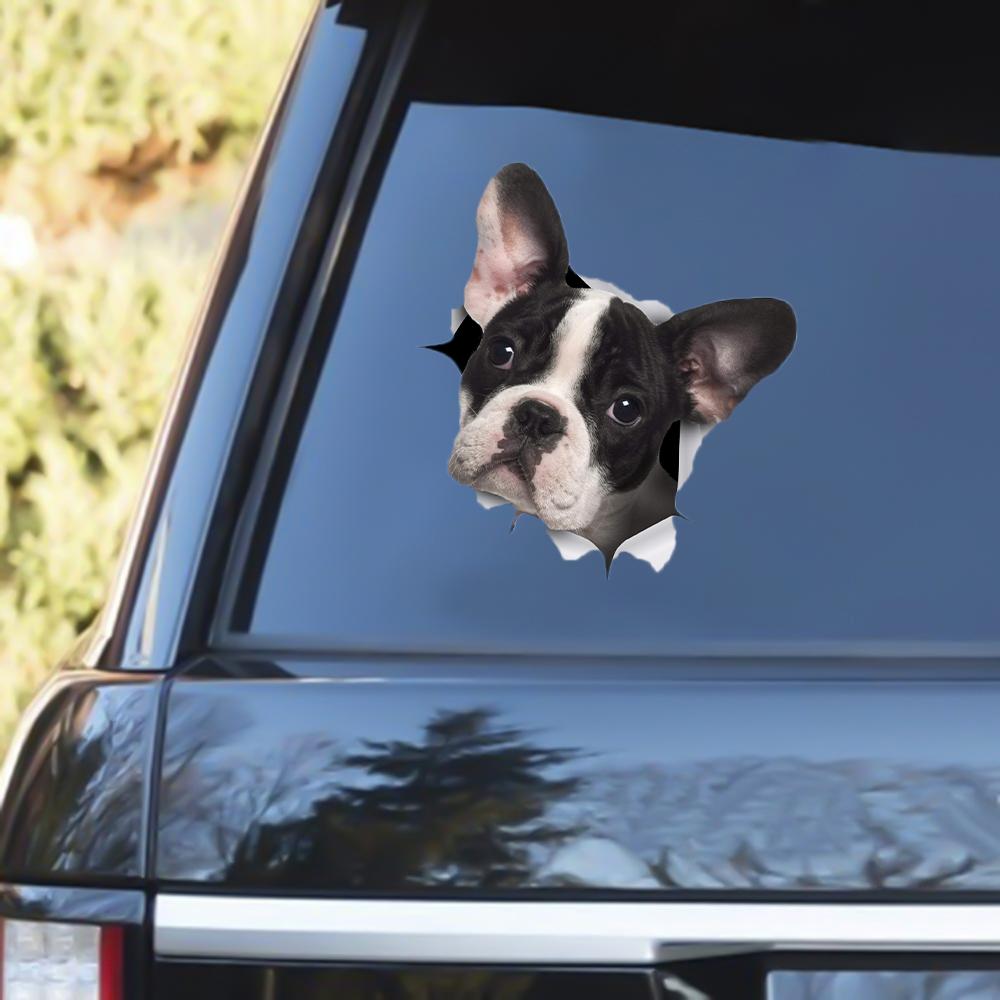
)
(565, 403)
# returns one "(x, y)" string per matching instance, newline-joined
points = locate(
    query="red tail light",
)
(112, 963)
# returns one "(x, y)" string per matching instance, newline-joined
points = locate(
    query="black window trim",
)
(336, 219)
(144, 626)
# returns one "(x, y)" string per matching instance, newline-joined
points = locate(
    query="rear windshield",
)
(850, 499)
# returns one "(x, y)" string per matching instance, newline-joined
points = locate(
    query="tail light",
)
(42, 960)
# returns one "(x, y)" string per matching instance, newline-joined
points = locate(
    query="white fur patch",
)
(566, 489)
(656, 311)
(656, 544)
(574, 339)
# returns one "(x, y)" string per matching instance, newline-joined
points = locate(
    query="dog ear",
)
(521, 242)
(724, 349)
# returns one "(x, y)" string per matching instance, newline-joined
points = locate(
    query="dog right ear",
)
(722, 350)
(521, 242)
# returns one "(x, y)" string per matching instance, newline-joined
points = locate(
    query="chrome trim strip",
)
(632, 933)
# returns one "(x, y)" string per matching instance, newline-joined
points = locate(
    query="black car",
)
(340, 732)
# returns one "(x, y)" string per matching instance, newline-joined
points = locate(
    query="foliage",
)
(90, 82)
(86, 355)
(111, 112)
(465, 805)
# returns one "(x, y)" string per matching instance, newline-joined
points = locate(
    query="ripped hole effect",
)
(653, 544)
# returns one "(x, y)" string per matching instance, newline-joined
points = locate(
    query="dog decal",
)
(579, 404)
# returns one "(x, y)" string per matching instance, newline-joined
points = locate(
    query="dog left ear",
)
(724, 349)
(521, 242)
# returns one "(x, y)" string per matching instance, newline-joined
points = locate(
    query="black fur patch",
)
(529, 322)
(630, 356)
(469, 333)
(523, 452)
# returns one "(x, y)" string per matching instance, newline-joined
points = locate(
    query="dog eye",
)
(625, 410)
(501, 353)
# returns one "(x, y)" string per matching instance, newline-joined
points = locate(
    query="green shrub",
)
(88, 82)
(86, 355)
(106, 107)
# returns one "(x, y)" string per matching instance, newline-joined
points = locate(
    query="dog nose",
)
(537, 419)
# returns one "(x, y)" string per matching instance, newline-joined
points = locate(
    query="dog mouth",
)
(515, 463)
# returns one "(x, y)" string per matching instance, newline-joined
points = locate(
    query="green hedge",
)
(86, 82)
(95, 96)
(86, 357)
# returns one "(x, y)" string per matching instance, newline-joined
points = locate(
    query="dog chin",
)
(507, 482)
(558, 507)
(558, 512)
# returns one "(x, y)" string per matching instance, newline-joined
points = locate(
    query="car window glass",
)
(850, 498)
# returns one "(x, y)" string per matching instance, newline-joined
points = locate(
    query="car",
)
(341, 732)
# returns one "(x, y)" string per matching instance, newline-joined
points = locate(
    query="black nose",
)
(536, 419)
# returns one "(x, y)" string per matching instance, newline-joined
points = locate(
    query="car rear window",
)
(850, 500)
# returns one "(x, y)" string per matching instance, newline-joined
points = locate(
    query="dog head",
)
(566, 401)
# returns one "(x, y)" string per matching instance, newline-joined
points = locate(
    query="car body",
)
(311, 749)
